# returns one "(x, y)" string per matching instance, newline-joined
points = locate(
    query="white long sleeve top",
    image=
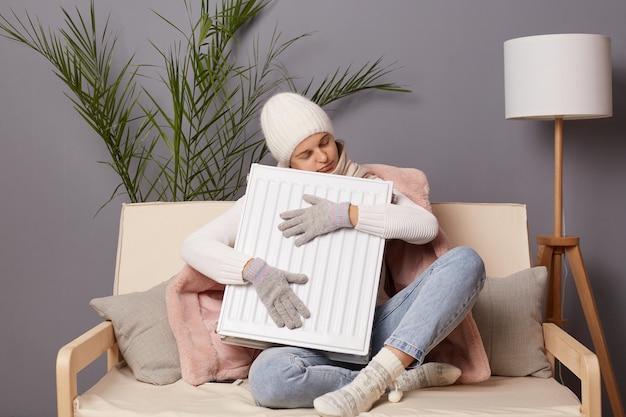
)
(210, 251)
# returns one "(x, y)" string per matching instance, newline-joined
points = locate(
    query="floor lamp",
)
(560, 77)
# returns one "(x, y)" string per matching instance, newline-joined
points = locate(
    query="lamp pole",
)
(558, 177)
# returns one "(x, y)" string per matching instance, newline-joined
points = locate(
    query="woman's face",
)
(316, 153)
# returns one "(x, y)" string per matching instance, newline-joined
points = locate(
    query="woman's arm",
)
(404, 220)
(209, 249)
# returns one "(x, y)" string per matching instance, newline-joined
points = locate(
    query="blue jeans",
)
(414, 321)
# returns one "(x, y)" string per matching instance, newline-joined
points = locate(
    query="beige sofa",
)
(508, 314)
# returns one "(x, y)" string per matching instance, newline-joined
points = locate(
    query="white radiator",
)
(343, 267)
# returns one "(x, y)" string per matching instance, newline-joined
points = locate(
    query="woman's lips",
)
(327, 168)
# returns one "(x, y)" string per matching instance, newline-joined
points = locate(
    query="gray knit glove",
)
(272, 287)
(322, 217)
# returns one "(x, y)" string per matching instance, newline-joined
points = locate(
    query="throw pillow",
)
(508, 313)
(143, 333)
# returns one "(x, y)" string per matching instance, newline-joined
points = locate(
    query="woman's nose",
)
(321, 155)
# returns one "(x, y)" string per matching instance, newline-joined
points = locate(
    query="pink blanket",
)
(193, 306)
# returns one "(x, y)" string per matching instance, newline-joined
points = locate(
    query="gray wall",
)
(56, 256)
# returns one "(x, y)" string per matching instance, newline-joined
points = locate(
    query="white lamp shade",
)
(561, 75)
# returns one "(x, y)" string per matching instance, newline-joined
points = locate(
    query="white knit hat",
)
(289, 118)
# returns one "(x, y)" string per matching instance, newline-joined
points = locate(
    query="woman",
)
(407, 323)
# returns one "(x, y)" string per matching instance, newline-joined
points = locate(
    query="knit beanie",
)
(289, 118)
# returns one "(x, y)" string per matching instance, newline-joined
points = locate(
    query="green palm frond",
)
(200, 144)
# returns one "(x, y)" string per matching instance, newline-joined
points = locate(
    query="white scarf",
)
(346, 167)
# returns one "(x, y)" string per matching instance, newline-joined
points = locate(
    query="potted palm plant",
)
(200, 144)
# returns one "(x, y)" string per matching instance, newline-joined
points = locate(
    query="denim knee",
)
(265, 369)
(291, 377)
(473, 263)
(270, 376)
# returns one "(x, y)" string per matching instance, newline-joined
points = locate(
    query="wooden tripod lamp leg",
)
(588, 303)
(551, 249)
(551, 257)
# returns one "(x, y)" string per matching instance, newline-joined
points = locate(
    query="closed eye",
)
(304, 155)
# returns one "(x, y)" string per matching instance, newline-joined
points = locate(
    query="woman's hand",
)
(322, 217)
(272, 287)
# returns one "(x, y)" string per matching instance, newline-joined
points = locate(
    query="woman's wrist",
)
(353, 214)
(246, 266)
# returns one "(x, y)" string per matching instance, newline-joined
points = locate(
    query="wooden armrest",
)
(76, 356)
(578, 359)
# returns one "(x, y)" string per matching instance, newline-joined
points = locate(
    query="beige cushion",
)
(143, 333)
(508, 314)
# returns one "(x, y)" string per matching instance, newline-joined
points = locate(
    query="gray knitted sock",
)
(430, 374)
(360, 394)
